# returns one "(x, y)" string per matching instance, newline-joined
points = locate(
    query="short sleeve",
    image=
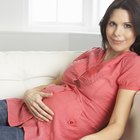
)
(130, 73)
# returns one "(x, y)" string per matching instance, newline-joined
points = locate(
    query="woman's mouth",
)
(115, 41)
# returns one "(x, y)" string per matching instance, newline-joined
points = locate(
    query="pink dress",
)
(84, 102)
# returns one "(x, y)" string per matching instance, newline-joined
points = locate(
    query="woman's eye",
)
(127, 25)
(112, 24)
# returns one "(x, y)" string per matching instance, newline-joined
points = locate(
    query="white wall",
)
(24, 41)
(14, 37)
(78, 41)
(12, 14)
(33, 41)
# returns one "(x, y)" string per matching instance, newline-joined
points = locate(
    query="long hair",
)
(133, 7)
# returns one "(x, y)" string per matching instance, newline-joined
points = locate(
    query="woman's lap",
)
(11, 133)
(7, 132)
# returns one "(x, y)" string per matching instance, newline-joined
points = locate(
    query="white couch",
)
(20, 71)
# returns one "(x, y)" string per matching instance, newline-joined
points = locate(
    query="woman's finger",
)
(33, 100)
(40, 112)
(38, 115)
(43, 108)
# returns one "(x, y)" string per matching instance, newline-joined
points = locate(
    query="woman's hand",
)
(33, 100)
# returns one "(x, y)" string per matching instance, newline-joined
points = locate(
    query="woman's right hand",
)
(33, 100)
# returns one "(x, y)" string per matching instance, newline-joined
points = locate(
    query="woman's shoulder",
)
(93, 52)
(131, 59)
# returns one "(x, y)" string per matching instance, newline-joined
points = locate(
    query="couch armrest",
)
(132, 131)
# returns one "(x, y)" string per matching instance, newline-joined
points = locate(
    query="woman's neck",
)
(110, 54)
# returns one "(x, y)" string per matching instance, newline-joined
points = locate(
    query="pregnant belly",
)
(64, 103)
(64, 100)
(68, 114)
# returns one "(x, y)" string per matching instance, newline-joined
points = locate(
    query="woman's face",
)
(120, 31)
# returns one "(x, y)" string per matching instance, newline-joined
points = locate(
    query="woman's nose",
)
(118, 31)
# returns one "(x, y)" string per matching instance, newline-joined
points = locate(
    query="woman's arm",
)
(117, 123)
(33, 100)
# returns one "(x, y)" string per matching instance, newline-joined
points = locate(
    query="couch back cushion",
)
(20, 71)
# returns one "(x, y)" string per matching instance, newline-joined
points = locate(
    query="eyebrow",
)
(124, 22)
(128, 22)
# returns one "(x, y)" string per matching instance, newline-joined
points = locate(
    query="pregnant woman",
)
(93, 97)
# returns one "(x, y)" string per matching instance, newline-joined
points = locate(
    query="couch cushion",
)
(20, 71)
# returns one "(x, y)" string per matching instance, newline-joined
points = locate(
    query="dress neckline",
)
(102, 56)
